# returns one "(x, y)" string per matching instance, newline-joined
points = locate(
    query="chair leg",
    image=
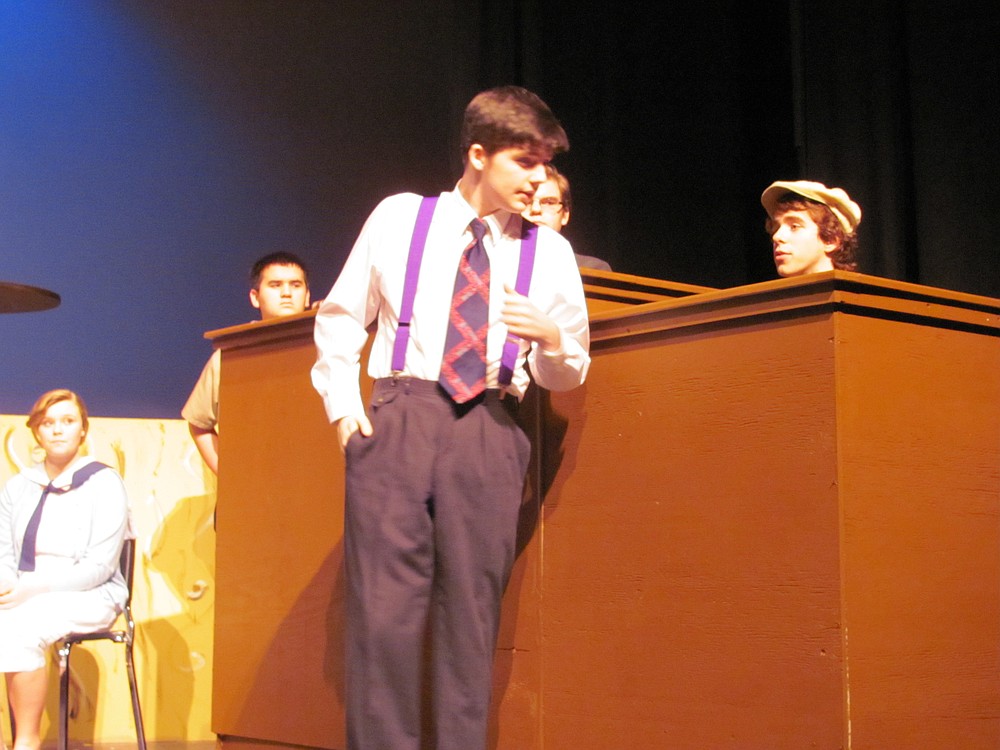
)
(140, 732)
(64, 650)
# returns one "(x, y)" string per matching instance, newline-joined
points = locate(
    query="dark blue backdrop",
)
(152, 151)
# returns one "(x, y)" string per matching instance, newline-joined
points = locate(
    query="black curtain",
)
(899, 104)
(680, 115)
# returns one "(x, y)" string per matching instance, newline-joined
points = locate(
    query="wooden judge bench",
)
(770, 519)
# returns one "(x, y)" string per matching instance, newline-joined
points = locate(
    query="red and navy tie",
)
(463, 369)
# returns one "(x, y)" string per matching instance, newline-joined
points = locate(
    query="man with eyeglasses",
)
(550, 207)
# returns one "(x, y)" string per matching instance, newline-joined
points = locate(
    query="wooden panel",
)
(770, 519)
(280, 521)
(920, 486)
(608, 291)
(691, 581)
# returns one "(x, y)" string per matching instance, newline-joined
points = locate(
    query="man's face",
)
(546, 207)
(798, 249)
(510, 178)
(282, 291)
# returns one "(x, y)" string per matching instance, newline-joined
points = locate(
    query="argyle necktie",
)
(27, 561)
(463, 369)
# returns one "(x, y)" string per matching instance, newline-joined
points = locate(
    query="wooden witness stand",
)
(771, 519)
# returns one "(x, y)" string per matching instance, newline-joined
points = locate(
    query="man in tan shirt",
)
(279, 286)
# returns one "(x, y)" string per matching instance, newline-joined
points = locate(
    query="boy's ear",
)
(477, 156)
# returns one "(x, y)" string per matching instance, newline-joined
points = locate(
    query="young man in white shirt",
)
(435, 472)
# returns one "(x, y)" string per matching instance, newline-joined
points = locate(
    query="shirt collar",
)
(497, 223)
(37, 473)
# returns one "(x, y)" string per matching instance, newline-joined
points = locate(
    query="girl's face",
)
(61, 433)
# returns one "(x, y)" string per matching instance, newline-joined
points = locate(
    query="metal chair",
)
(125, 637)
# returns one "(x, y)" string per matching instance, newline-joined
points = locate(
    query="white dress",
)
(76, 585)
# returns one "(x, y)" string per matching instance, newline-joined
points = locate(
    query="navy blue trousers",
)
(431, 514)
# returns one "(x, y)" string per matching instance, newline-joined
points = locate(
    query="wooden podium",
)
(770, 519)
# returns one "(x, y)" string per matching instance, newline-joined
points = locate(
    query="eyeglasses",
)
(547, 204)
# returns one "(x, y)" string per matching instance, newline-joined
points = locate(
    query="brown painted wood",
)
(608, 290)
(277, 662)
(919, 465)
(771, 518)
(15, 298)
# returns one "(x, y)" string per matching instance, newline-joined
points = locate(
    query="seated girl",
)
(62, 525)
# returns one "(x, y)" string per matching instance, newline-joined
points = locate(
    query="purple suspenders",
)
(417, 242)
(529, 237)
(526, 264)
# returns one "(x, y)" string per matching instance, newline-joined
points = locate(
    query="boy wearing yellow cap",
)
(812, 227)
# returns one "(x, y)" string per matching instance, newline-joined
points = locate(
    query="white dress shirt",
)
(370, 289)
(80, 534)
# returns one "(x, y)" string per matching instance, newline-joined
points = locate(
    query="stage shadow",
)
(517, 665)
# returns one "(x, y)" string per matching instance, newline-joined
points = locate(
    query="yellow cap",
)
(847, 211)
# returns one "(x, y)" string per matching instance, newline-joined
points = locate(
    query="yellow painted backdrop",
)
(172, 497)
